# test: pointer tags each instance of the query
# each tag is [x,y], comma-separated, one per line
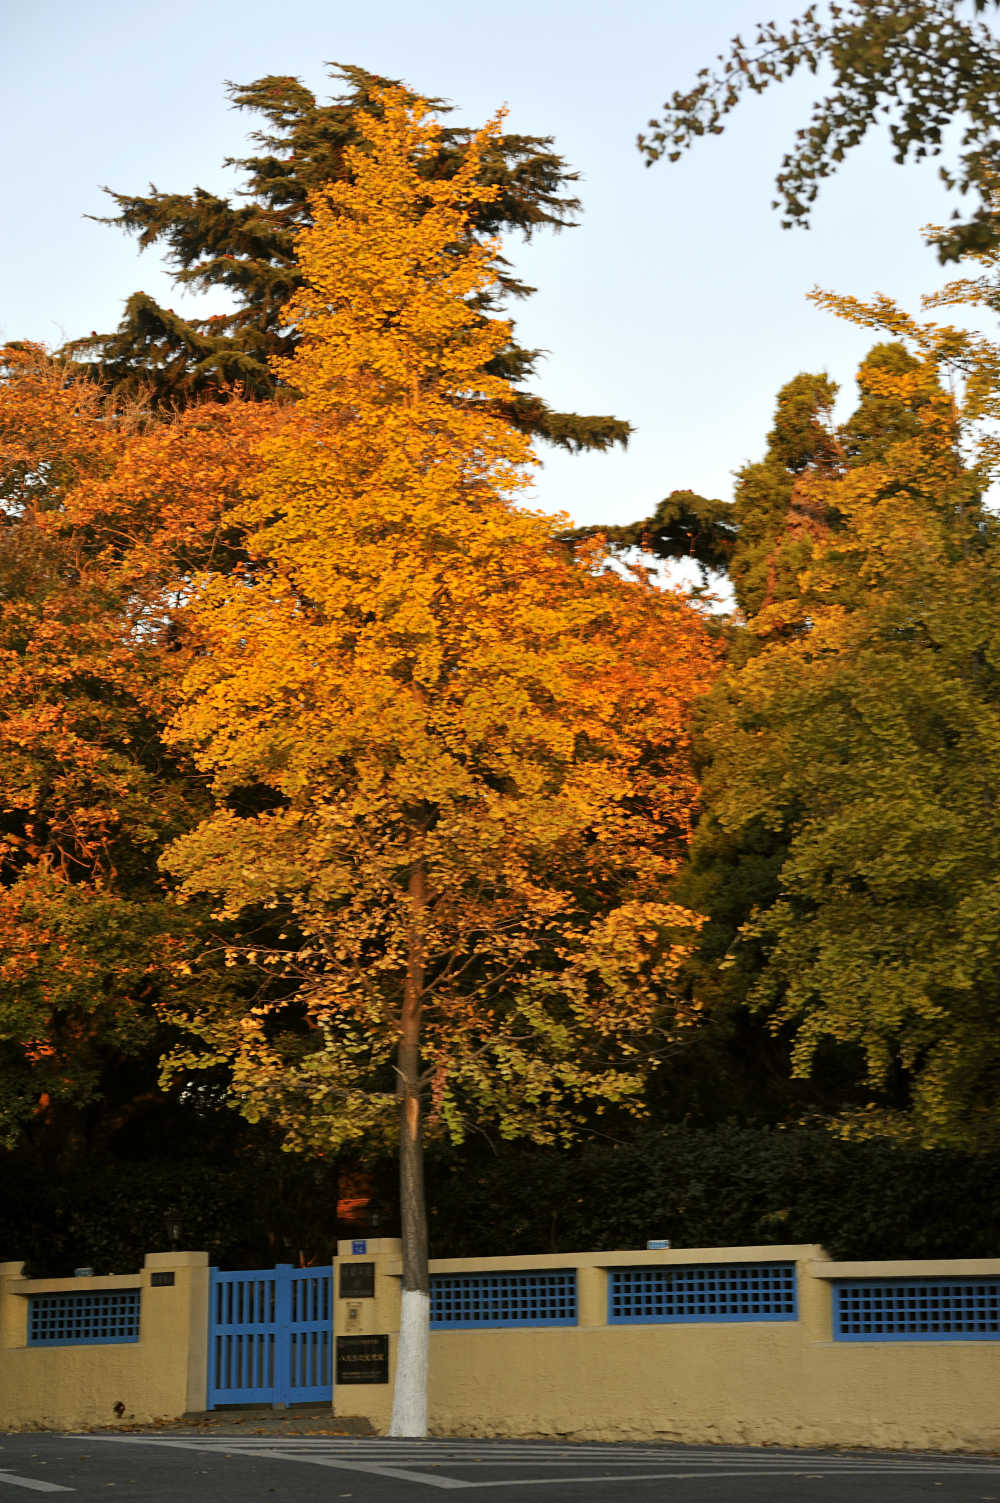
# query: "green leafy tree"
[770,527]
[851,756]
[247,250]
[919,65]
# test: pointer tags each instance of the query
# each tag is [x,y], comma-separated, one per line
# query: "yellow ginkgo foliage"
[450,758]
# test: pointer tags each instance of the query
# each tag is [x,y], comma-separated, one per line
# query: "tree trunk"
[409,1400]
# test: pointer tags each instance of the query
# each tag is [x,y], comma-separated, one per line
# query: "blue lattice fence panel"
[935,1309]
[102,1317]
[462,1300]
[309,1367]
[709,1292]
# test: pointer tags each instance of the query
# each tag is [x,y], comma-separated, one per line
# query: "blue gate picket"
[270,1336]
[310,1358]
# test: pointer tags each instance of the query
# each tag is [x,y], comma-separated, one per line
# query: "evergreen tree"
[757,536]
[683,526]
[770,527]
[775,514]
[247,249]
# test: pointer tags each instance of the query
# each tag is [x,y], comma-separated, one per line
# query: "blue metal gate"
[270,1336]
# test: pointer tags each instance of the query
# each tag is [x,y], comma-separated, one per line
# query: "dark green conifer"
[773,515]
[684,525]
[247,250]
[756,537]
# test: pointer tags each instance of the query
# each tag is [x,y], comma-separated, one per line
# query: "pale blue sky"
[679,303]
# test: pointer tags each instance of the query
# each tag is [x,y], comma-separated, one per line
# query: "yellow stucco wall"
[777,1382]
[161,1375]
[772,1382]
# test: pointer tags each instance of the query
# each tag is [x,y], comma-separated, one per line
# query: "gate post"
[175,1316]
[366,1326]
[282,1335]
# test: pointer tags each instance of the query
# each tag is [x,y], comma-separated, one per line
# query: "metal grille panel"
[503,1299]
[965,1309]
[100,1318]
[702,1292]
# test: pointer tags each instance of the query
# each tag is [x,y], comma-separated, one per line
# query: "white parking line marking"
[33,1484]
[702,1476]
[372,1468]
[490,1453]
[748,1463]
[397,1459]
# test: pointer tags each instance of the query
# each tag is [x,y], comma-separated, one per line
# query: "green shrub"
[716,1187]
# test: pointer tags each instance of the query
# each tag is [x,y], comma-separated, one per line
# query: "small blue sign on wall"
[358,1249]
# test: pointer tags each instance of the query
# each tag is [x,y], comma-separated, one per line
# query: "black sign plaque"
[161,1280]
[357,1280]
[362,1359]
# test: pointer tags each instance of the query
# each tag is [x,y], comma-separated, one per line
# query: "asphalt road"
[136,1468]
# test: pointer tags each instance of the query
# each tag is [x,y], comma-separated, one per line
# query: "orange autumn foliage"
[449,759]
[473,746]
[104,512]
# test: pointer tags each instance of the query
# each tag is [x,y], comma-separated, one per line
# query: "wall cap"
[908,1268]
[75,1286]
[375,1247]
[798,1252]
[176,1260]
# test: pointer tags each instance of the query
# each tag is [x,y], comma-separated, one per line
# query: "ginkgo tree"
[449,758]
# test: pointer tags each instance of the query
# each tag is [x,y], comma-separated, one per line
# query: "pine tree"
[247,249]
[685,525]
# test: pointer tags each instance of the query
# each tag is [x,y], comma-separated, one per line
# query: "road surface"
[207,1468]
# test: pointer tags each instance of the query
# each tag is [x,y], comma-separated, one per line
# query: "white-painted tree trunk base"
[409,1395]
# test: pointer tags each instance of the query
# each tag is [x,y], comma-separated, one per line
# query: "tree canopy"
[344,789]
[851,758]
[247,251]
[919,65]
[105,510]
